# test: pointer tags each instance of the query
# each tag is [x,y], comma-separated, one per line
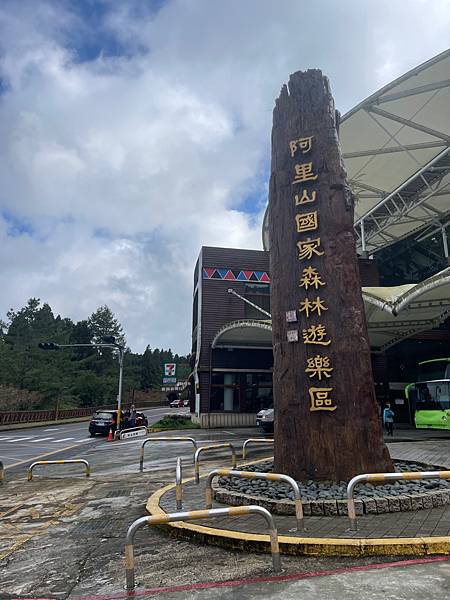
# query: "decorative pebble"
[320,490]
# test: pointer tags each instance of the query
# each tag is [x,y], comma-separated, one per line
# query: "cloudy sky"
[134,132]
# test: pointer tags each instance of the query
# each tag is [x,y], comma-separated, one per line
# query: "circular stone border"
[333,508]
[338,507]
[255,542]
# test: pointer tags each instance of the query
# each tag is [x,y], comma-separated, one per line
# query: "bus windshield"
[434,369]
[433,395]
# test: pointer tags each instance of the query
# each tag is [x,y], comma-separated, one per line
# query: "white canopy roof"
[392,313]
[395,313]
[396,147]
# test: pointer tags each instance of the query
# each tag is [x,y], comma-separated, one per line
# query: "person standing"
[388,419]
[133,416]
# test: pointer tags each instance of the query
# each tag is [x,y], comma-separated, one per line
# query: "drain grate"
[94,526]
[117,493]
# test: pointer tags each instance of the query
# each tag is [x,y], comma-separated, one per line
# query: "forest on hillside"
[32,378]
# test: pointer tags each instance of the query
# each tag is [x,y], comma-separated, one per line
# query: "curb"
[255,542]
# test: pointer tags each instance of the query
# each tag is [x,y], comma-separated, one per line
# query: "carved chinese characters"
[318,367]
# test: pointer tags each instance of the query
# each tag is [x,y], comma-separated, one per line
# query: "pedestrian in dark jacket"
[388,419]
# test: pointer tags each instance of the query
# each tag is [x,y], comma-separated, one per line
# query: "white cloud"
[124,166]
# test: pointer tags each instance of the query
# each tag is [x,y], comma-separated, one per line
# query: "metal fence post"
[163,439]
[58,462]
[366,477]
[234,511]
[179,484]
[212,447]
[254,441]
[266,476]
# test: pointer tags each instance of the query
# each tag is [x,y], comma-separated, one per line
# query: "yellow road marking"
[12,509]
[34,458]
[21,539]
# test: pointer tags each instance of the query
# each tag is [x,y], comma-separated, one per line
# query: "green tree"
[79,376]
[103,323]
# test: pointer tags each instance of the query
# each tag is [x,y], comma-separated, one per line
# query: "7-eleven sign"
[170,369]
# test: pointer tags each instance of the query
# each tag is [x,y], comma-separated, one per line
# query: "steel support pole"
[119,394]
[445,244]
[364,253]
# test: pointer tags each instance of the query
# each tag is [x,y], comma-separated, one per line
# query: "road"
[21,446]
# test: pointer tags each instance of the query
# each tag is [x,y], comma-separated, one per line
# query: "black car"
[102,421]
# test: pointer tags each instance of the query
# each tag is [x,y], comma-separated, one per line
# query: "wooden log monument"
[327,425]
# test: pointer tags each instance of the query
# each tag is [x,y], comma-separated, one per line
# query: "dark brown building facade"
[231,338]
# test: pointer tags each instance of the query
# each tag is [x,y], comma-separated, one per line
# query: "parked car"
[262,412]
[102,421]
[178,403]
[265,420]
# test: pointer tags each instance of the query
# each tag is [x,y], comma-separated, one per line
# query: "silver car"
[264,419]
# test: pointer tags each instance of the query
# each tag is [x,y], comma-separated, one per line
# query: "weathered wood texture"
[322,444]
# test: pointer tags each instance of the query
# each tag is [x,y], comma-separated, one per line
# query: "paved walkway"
[415,524]
[428,580]
[411,434]
[434,452]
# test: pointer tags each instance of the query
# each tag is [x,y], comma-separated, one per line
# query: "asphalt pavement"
[21,446]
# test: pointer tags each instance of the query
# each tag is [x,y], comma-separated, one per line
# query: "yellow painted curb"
[257,542]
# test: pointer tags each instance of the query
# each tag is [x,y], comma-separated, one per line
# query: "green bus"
[430,396]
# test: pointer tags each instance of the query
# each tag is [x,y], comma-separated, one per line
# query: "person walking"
[388,419]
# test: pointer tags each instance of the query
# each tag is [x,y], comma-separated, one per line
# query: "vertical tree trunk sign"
[326,418]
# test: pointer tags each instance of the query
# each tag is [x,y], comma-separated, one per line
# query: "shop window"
[241,392]
[225,391]
[257,392]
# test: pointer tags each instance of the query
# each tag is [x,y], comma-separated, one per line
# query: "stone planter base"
[368,506]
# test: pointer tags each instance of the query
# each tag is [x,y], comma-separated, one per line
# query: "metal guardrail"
[254,441]
[37,416]
[267,477]
[16,417]
[58,462]
[179,484]
[129,430]
[212,447]
[234,511]
[163,439]
[365,478]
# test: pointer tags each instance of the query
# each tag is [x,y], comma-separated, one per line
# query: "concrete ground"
[62,536]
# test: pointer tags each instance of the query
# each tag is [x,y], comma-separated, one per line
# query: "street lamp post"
[110,342]
[121,349]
